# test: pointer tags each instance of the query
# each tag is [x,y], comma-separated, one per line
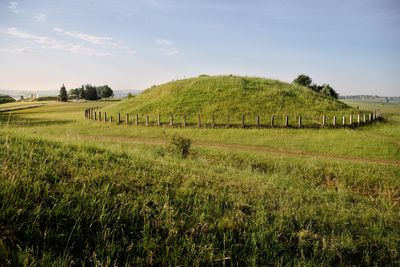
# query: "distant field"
[74,190]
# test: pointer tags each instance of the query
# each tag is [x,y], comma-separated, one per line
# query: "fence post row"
[94,114]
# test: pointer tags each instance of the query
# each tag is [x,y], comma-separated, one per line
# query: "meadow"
[79,192]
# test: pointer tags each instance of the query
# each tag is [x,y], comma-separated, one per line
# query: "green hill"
[231,95]
[6,99]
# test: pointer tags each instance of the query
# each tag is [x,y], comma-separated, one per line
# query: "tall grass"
[73,204]
[75,192]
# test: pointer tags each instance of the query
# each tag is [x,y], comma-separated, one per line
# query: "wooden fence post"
[351,120]
[137,119]
[344,120]
[243,121]
[364,118]
[299,124]
[323,120]
[119,118]
[147,120]
[105,116]
[286,121]
[110,119]
[95,115]
[159,120]
[171,120]
[358,119]
[184,120]
[258,121]
[369,117]
[127,118]
[334,120]
[272,120]
[99,115]
[198,120]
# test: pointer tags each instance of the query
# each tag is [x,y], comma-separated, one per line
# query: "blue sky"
[353,45]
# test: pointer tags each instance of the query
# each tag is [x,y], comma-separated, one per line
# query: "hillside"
[6,99]
[229,94]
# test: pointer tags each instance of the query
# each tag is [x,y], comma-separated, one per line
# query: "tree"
[73,93]
[315,87]
[81,93]
[106,91]
[91,92]
[303,80]
[328,90]
[63,96]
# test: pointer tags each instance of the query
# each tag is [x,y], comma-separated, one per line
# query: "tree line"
[87,92]
[324,89]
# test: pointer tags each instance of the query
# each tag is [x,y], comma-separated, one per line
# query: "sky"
[353,45]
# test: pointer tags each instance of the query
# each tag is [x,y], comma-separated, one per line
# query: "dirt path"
[245,148]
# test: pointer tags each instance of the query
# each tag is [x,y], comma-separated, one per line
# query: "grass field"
[74,191]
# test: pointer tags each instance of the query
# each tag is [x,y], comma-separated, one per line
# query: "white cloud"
[22,50]
[164,42]
[167,47]
[13,6]
[170,51]
[97,40]
[40,17]
[51,43]
[103,42]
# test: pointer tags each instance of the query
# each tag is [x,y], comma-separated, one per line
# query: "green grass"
[84,192]
[233,96]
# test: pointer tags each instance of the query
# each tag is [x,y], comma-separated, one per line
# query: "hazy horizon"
[132,45]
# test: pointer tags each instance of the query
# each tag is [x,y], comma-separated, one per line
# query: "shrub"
[181,145]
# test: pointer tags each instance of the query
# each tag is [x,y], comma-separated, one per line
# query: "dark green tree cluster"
[63,96]
[324,89]
[90,92]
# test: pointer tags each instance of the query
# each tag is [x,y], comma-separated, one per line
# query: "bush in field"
[181,145]
[324,89]
[303,80]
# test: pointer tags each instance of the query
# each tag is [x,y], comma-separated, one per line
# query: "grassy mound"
[6,99]
[229,95]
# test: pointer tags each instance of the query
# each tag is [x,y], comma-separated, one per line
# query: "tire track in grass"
[243,148]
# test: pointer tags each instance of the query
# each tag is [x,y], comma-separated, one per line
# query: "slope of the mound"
[6,99]
[225,95]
